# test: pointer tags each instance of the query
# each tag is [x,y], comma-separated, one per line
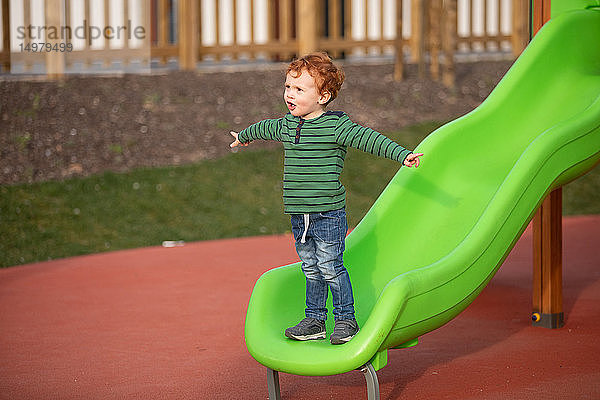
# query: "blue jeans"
[320,248]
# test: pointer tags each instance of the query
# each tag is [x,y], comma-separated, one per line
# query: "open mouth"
[291,106]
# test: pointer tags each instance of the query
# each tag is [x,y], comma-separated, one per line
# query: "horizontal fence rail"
[193,32]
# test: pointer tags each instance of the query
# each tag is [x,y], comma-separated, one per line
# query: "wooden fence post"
[335,24]
[415,34]
[399,44]
[286,23]
[435,15]
[6,35]
[188,34]
[450,32]
[308,40]
[421,32]
[520,26]
[55,60]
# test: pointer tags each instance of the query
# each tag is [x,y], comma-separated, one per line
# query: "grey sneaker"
[344,330]
[307,329]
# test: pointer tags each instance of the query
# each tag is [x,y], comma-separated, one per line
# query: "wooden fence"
[192,31]
[5,53]
[60,27]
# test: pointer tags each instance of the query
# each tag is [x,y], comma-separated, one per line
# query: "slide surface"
[437,234]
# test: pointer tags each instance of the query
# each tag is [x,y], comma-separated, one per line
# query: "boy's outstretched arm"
[268,129]
[351,134]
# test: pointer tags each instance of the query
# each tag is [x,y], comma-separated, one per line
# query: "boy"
[315,143]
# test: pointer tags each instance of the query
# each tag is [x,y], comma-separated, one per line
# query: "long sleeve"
[351,134]
[268,129]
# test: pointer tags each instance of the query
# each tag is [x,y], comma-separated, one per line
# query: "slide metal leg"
[273,384]
[372,381]
[367,370]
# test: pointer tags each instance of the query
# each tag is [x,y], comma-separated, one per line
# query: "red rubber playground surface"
[168,323]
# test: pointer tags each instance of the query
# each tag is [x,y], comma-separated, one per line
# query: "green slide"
[437,234]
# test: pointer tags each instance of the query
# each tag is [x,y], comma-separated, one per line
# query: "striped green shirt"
[315,150]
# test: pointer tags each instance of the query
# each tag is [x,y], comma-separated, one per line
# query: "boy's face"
[302,96]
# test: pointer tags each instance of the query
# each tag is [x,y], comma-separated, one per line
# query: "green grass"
[237,195]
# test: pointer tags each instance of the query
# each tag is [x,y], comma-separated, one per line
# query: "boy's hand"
[236,142]
[412,159]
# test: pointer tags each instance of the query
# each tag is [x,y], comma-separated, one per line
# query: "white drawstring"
[306,222]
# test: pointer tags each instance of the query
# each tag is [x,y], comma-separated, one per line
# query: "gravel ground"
[86,125]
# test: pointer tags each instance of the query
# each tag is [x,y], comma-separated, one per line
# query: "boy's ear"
[324,98]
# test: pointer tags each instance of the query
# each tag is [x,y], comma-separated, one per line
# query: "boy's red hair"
[328,76]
